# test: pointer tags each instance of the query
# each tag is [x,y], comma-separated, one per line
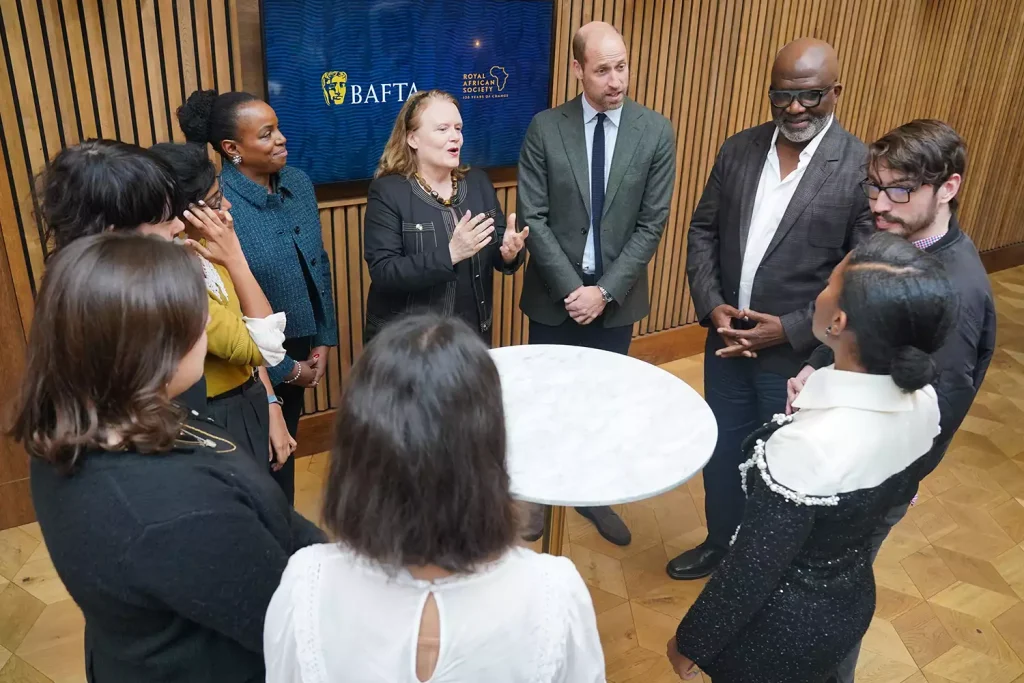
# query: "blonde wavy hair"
[398,157]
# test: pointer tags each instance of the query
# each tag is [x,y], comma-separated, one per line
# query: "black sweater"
[963,359]
[173,559]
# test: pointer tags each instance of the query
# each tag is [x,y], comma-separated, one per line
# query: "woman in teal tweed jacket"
[278,224]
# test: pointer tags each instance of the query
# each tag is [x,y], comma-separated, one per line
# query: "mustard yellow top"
[231,355]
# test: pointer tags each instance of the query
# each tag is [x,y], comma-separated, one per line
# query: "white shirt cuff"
[268,334]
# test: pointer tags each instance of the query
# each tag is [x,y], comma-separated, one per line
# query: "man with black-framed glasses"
[914,175]
[781,209]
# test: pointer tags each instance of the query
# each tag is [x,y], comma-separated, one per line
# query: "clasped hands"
[767,331]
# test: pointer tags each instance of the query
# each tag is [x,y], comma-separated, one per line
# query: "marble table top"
[588,427]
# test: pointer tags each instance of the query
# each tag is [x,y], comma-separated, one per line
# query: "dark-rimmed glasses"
[217,199]
[808,99]
[897,194]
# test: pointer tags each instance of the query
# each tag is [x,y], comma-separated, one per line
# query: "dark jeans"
[848,667]
[742,397]
[293,396]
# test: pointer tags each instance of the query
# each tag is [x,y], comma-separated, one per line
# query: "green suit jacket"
[554,200]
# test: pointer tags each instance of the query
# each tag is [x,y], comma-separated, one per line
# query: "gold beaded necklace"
[433,193]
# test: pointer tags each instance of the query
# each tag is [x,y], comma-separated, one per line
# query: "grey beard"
[817,125]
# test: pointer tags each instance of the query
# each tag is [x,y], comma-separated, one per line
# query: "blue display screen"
[338,72]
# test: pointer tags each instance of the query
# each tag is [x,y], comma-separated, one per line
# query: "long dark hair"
[417,474]
[211,117]
[901,305]
[115,315]
[99,185]
[194,172]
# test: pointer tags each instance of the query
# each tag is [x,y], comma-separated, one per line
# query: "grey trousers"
[848,667]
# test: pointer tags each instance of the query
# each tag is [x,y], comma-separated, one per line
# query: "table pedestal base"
[554,529]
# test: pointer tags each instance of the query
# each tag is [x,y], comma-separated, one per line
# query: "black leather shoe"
[696,563]
[608,524]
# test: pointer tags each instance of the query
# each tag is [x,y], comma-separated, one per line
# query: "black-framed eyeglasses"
[217,199]
[898,194]
[808,99]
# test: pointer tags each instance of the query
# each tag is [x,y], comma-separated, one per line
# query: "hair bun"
[912,368]
[194,116]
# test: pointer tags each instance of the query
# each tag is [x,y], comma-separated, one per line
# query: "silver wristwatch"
[604,293]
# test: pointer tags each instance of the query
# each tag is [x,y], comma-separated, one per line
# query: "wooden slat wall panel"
[74,69]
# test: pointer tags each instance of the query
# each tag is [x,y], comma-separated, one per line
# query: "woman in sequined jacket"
[797,591]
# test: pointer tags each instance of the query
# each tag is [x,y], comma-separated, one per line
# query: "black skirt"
[245,413]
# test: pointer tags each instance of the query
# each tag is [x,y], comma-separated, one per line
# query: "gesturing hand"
[585,304]
[472,234]
[681,664]
[768,331]
[795,385]
[218,229]
[513,241]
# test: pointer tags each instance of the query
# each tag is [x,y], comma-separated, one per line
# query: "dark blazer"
[172,557]
[405,238]
[282,240]
[554,200]
[827,216]
[964,357]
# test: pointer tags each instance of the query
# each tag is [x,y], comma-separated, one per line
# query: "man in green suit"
[596,176]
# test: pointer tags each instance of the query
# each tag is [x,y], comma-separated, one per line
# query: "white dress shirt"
[852,431]
[337,616]
[773,196]
[611,132]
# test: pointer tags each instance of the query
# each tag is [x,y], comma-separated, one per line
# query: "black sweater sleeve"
[233,567]
[772,533]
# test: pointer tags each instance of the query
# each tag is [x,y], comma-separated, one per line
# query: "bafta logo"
[334,83]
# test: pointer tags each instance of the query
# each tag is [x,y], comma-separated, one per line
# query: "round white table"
[589,427]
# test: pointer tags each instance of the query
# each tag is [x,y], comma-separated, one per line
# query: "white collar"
[807,152]
[831,388]
[589,112]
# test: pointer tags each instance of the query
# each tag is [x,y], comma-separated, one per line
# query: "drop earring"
[236,159]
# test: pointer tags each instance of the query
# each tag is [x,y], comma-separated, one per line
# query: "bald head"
[599,61]
[806,59]
[595,32]
[805,88]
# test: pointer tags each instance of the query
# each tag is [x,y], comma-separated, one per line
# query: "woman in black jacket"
[434,229]
[171,547]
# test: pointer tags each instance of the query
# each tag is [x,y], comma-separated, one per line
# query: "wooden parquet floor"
[950,577]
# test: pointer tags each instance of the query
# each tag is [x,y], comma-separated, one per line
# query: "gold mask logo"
[335,85]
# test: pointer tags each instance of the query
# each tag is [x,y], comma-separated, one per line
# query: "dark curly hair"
[925,151]
[901,305]
[115,315]
[192,168]
[417,474]
[209,117]
[99,185]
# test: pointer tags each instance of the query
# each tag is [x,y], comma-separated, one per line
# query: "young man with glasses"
[781,209]
[913,178]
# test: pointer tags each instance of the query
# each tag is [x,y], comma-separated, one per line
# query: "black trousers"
[245,414]
[293,396]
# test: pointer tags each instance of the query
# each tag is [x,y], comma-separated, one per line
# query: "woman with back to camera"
[244,333]
[278,225]
[171,547]
[796,591]
[434,230]
[426,581]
